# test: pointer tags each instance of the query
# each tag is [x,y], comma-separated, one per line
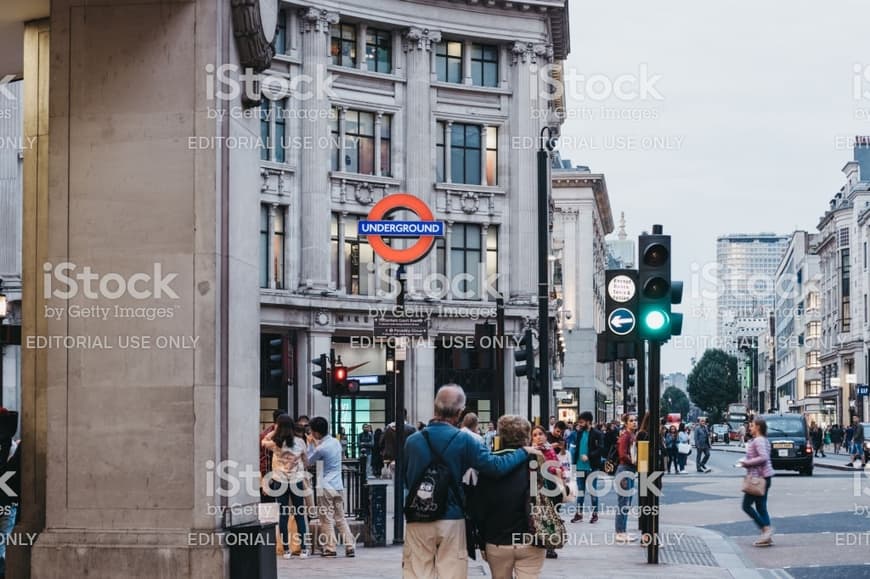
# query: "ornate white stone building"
[442,100]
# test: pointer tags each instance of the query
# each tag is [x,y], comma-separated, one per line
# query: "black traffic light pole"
[543,378]
[399,392]
[655,351]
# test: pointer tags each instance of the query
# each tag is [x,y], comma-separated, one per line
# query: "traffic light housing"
[656,291]
[272,360]
[322,373]
[526,353]
[339,378]
[631,372]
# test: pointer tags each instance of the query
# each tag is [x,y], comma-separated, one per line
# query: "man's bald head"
[449,402]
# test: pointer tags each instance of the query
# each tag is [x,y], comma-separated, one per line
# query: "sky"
[714,118]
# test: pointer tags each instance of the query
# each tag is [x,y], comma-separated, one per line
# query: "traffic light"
[526,353]
[272,362]
[322,373]
[339,378]
[631,372]
[657,292]
[620,305]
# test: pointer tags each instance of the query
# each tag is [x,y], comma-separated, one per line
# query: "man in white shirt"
[326,450]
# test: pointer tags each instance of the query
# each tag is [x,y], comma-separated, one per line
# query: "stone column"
[314,188]
[526,57]
[379,121]
[342,275]
[131,416]
[419,144]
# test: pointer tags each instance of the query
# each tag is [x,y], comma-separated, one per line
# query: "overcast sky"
[745,123]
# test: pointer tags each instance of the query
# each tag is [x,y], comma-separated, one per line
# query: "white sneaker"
[303,554]
[288,555]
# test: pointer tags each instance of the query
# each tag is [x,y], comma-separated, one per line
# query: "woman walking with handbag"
[756,485]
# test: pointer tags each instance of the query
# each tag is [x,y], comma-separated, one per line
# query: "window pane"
[490,74]
[477,72]
[366,155]
[454,70]
[472,136]
[492,237]
[472,167]
[280,131]
[472,236]
[441,68]
[278,221]
[454,49]
[491,162]
[385,157]
[457,136]
[457,165]
[366,277]
[265,114]
[367,124]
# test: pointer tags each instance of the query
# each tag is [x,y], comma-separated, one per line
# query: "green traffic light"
[655,320]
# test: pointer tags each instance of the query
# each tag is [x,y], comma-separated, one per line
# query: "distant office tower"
[747,265]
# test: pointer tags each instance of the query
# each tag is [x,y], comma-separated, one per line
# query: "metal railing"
[353,478]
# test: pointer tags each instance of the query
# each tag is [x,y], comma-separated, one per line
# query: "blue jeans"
[759,513]
[585,481]
[7,523]
[292,495]
[624,498]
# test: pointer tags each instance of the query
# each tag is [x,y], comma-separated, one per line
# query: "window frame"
[446,59]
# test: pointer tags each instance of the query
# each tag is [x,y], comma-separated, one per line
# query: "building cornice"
[595,181]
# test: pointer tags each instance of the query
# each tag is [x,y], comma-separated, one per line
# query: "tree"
[675,400]
[713,383]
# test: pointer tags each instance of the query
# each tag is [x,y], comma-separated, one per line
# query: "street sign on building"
[862,390]
[390,326]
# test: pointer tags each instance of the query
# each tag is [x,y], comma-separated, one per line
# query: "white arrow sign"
[621,321]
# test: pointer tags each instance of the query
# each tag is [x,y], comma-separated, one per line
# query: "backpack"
[428,497]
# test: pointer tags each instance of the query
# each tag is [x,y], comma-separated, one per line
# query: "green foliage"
[713,383]
[674,400]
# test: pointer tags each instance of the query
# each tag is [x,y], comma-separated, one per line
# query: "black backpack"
[427,498]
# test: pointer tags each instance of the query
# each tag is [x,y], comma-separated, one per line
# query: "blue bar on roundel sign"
[401,228]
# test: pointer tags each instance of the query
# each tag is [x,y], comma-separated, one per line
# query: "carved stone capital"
[316,20]
[420,39]
[529,52]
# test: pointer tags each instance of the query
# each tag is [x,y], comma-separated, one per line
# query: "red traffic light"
[339,374]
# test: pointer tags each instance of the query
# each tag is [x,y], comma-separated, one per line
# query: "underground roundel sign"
[425,229]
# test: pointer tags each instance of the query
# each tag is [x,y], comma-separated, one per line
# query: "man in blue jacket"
[438,549]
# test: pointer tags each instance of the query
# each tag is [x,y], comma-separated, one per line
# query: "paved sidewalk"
[688,552]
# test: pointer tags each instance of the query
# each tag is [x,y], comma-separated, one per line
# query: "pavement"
[592,552]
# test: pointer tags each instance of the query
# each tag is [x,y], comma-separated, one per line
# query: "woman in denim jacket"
[757,462]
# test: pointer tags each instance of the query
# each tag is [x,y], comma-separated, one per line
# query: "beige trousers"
[526,560]
[331,513]
[435,550]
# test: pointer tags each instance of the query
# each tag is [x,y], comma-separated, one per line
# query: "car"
[720,433]
[790,444]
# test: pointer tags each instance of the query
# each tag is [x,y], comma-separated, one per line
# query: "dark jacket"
[596,447]
[499,506]
[464,452]
[702,437]
[388,441]
[366,441]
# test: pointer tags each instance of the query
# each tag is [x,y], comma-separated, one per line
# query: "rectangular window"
[272,250]
[465,260]
[280,130]
[356,258]
[814,330]
[360,142]
[492,255]
[379,50]
[281,33]
[814,387]
[273,130]
[278,247]
[813,359]
[491,156]
[845,290]
[264,246]
[343,45]
[484,65]
[448,61]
